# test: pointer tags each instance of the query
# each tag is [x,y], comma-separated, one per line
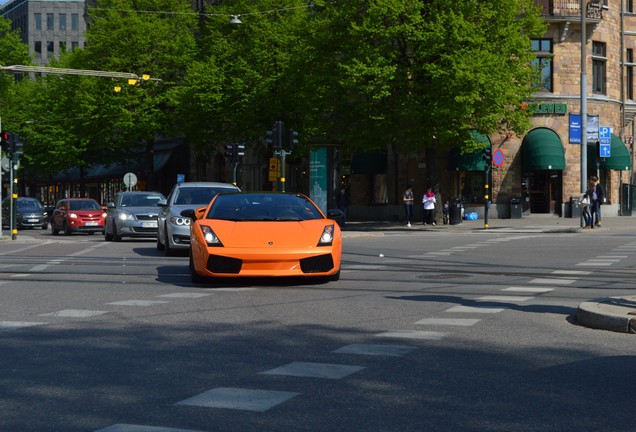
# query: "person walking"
[407,197]
[342,200]
[585,202]
[429,206]
[598,199]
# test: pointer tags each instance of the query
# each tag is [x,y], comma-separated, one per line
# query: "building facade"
[542,168]
[48,27]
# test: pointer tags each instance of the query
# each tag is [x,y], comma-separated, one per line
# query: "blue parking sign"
[605,140]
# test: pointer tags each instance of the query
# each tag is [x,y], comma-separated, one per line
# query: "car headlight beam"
[180,221]
[125,216]
[210,237]
[326,238]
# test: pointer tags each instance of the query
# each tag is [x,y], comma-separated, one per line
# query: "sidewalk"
[613,313]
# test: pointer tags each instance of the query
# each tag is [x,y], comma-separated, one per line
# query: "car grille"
[317,264]
[147,217]
[97,217]
[141,230]
[221,264]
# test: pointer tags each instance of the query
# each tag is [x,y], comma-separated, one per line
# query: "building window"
[629,74]
[542,49]
[74,22]
[629,6]
[38,48]
[62,46]
[74,44]
[62,17]
[49,21]
[38,21]
[49,49]
[599,62]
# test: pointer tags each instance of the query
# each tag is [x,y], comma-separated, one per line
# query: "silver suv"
[173,231]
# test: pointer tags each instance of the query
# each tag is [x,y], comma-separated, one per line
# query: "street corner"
[616,314]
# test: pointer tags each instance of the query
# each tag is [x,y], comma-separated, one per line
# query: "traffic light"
[293,139]
[229,151]
[487,155]
[278,134]
[5,141]
[240,150]
[16,145]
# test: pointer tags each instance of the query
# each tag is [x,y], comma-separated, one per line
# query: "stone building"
[543,167]
[48,27]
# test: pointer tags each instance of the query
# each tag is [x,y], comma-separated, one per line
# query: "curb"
[608,314]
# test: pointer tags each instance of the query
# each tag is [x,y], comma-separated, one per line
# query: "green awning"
[619,159]
[368,163]
[472,161]
[542,150]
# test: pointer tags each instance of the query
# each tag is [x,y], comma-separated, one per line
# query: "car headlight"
[180,221]
[210,237]
[72,215]
[326,238]
[125,216]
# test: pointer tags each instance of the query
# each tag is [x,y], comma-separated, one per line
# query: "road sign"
[130,179]
[498,158]
[605,139]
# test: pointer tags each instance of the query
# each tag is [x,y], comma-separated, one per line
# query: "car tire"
[160,246]
[54,230]
[167,250]
[194,276]
[107,235]
[45,226]
[116,237]
[66,229]
[334,277]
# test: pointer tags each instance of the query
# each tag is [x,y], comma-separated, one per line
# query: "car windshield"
[138,200]
[263,207]
[29,204]
[197,196]
[83,205]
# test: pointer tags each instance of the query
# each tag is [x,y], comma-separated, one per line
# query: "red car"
[78,215]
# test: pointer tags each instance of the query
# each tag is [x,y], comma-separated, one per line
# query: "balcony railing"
[569,8]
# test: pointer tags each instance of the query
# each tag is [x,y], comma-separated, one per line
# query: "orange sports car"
[263,234]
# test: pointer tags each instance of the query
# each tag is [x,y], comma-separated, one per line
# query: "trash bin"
[455,211]
[515,208]
[575,207]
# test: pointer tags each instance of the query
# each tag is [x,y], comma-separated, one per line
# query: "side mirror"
[189,213]
[335,214]
[162,203]
[110,205]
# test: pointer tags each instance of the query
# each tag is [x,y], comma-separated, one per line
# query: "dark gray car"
[132,214]
[29,213]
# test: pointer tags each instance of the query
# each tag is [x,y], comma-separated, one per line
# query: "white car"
[173,231]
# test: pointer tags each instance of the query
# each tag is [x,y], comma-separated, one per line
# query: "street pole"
[486,196]
[583,167]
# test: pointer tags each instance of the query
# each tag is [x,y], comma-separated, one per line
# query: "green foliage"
[363,73]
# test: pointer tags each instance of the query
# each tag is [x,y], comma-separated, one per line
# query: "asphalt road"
[425,331]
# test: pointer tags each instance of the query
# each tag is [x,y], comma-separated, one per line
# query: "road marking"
[375,350]
[463,322]
[314,370]
[241,399]
[475,309]
[504,298]
[14,325]
[75,313]
[529,289]
[184,295]
[120,427]
[553,281]
[413,334]
[595,264]
[14,251]
[613,256]
[144,303]
[89,249]
[571,272]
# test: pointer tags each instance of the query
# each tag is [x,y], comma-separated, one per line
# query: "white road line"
[241,399]
[504,298]
[461,322]
[594,264]
[314,370]
[412,334]
[571,272]
[475,309]
[528,289]
[553,281]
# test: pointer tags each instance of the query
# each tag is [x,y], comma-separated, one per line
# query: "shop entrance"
[545,190]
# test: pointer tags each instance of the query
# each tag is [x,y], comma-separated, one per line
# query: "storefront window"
[471,186]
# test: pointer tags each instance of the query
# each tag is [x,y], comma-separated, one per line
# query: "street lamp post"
[583,100]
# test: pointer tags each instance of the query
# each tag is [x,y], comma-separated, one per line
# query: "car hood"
[177,209]
[139,210]
[283,234]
